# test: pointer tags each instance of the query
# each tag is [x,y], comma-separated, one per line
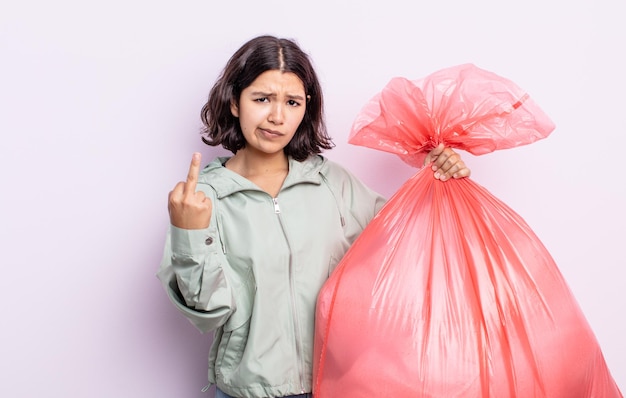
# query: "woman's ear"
[234,108]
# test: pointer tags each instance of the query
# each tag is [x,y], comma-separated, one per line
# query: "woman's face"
[270,110]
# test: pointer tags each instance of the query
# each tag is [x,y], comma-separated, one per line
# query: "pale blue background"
[99,114]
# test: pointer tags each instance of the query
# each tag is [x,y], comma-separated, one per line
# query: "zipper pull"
[276,208]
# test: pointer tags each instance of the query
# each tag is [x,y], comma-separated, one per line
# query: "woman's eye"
[262,99]
[293,103]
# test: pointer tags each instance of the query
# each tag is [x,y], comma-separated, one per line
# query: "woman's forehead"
[275,81]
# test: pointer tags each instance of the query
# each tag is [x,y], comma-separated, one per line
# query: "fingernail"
[437,175]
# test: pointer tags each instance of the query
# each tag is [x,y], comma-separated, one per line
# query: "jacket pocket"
[244,299]
[332,264]
[231,347]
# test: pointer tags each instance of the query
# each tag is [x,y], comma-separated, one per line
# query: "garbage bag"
[448,292]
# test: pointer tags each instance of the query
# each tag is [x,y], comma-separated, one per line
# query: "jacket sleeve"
[192,272]
[359,204]
[362,205]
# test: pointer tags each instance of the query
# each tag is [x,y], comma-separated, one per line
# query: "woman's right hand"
[190,209]
[446,163]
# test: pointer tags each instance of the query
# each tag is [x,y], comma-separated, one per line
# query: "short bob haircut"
[259,55]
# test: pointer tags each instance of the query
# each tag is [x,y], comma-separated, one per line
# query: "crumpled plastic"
[448,292]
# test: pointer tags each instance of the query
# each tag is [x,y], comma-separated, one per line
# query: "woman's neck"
[246,162]
[268,171]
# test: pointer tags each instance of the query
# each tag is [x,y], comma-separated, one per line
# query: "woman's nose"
[276,115]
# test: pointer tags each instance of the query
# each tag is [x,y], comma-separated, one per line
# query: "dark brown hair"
[259,55]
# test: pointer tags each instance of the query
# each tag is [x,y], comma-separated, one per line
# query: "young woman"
[254,236]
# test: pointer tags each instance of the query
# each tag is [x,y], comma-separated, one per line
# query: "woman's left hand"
[446,163]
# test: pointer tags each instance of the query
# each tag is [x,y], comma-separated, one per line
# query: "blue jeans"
[221,394]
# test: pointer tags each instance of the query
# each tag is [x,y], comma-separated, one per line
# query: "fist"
[446,163]
[189,209]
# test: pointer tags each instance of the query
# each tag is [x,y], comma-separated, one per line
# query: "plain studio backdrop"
[99,115]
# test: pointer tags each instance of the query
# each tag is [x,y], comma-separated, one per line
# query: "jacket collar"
[226,182]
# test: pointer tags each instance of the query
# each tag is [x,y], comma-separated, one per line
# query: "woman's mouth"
[271,133]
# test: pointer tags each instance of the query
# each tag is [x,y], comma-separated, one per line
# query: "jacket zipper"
[277,210]
[293,300]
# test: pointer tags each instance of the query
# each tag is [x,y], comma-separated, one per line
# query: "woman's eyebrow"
[265,94]
[295,97]
[262,94]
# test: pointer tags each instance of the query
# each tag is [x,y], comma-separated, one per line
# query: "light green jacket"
[253,276]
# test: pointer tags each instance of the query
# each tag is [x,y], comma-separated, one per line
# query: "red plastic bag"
[448,292]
